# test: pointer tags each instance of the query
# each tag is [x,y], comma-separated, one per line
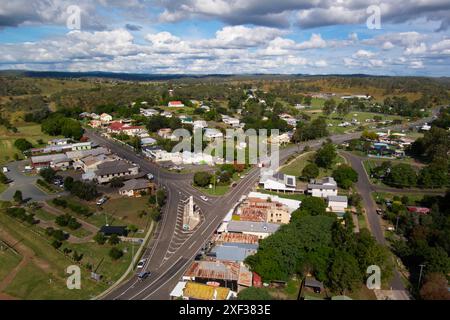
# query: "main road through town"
[171,249]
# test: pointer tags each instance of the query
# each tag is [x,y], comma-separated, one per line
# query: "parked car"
[204,198]
[5,169]
[379,212]
[150,176]
[102,200]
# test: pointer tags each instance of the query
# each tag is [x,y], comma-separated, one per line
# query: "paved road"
[171,250]
[24,183]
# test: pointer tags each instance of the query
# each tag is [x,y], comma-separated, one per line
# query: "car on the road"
[204,198]
[143,275]
[141,264]
[379,212]
[102,200]
[5,169]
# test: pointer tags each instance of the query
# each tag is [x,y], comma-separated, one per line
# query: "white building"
[260,229]
[337,204]
[323,188]
[104,117]
[200,124]
[149,112]
[175,104]
[278,182]
[290,203]
[211,134]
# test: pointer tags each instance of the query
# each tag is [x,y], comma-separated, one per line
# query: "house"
[263,210]
[323,188]
[121,128]
[47,161]
[278,182]
[232,238]
[135,187]
[175,104]
[165,133]
[291,204]
[59,142]
[211,134]
[115,169]
[166,114]
[148,141]
[421,210]
[219,273]
[230,121]
[290,120]
[185,119]
[91,162]
[337,204]
[95,123]
[148,112]
[314,284]
[200,124]
[110,230]
[280,139]
[80,154]
[205,107]
[164,156]
[62,148]
[260,229]
[198,291]
[105,118]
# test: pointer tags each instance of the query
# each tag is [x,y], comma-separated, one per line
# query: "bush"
[60,202]
[100,238]
[56,244]
[310,171]
[23,144]
[114,239]
[48,174]
[345,176]
[115,253]
[202,179]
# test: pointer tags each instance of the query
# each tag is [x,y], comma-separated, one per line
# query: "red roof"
[175,102]
[257,281]
[422,210]
[116,126]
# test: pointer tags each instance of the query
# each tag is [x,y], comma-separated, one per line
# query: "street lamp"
[420,275]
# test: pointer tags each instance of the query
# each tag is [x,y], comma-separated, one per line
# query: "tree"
[254,293]
[326,155]
[114,239]
[155,214]
[329,107]
[161,197]
[100,238]
[48,174]
[310,171]
[434,175]
[116,182]
[202,179]
[115,253]
[312,206]
[18,196]
[3,178]
[345,176]
[23,144]
[402,175]
[344,272]
[68,183]
[435,287]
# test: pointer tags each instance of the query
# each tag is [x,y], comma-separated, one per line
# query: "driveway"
[24,183]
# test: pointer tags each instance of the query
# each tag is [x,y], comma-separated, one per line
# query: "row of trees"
[320,245]
[58,124]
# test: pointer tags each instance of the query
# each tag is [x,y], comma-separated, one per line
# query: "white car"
[5,170]
[150,176]
[141,264]
[101,201]
[204,198]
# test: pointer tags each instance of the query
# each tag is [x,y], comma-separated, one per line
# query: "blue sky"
[233,36]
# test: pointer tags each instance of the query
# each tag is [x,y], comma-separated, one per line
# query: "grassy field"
[115,212]
[295,167]
[3,187]
[8,261]
[44,215]
[45,277]
[30,132]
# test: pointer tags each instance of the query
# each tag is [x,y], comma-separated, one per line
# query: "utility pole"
[420,275]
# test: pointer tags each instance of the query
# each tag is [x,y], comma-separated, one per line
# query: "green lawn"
[8,261]
[47,280]
[291,196]
[3,187]
[31,132]
[44,215]
[126,210]
[217,191]
[295,167]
